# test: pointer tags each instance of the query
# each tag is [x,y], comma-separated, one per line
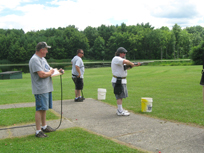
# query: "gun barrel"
[136,63]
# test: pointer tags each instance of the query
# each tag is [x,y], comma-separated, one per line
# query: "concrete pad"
[17,105]
[24,131]
[4,134]
[64,124]
[194,144]
[140,131]
[7,106]
[161,137]
[24,105]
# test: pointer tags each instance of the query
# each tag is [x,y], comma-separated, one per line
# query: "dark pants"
[79,83]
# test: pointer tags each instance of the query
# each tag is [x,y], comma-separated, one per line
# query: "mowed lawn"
[175,90]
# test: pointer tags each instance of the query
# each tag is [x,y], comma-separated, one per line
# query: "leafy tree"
[17,53]
[4,50]
[91,34]
[126,40]
[195,39]
[177,32]
[116,41]
[167,37]
[106,32]
[57,50]
[142,42]
[122,28]
[172,45]
[157,42]
[146,25]
[197,53]
[98,51]
[195,29]
[184,43]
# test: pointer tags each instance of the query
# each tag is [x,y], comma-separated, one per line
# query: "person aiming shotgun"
[119,66]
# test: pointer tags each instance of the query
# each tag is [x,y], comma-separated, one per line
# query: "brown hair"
[79,51]
[117,53]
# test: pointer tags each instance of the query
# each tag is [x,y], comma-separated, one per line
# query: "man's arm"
[78,70]
[43,74]
[127,62]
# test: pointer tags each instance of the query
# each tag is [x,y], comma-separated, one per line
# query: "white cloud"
[11,4]
[83,13]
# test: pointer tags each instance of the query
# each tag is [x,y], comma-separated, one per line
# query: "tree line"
[142,42]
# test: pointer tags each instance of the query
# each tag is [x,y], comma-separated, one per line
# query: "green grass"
[15,116]
[171,63]
[74,140]
[175,90]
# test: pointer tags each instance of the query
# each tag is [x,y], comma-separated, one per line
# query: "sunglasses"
[82,53]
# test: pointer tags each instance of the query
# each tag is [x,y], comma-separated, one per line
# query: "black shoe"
[79,99]
[41,135]
[48,129]
[76,100]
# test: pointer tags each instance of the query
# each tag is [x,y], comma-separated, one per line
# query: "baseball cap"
[41,45]
[121,50]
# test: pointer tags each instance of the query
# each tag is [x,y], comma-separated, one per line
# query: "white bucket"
[146,104]
[101,94]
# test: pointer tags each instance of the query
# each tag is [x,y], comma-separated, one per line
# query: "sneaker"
[41,135]
[48,129]
[76,99]
[80,99]
[123,113]
[126,111]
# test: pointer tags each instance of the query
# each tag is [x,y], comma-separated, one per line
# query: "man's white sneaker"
[126,111]
[123,113]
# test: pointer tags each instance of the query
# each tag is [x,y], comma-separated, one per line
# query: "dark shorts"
[124,94]
[79,83]
[43,101]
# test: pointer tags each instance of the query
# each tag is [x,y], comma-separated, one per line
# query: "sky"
[33,15]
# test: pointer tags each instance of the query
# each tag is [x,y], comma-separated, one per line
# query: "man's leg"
[203,95]
[40,116]
[43,117]
[78,93]
[38,120]
[121,111]
[75,93]
[119,103]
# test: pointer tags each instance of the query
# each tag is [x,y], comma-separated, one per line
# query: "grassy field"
[15,116]
[74,140]
[175,90]
[176,93]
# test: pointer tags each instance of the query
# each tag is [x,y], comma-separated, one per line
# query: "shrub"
[196,54]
